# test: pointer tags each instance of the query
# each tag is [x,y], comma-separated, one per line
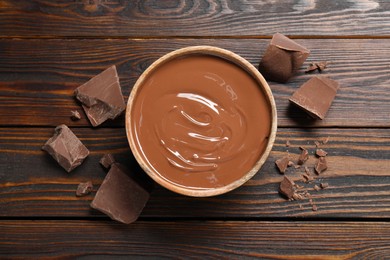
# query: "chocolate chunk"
[316,96]
[282,58]
[321,153]
[287,187]
[303,157]
[66,148]
[75,115]
[282,164]
[121,196]
[320,66]
[102,97]
[84,189]
[321,165]
[107,160]
[324,185]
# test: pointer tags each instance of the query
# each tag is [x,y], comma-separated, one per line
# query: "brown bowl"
[232,58]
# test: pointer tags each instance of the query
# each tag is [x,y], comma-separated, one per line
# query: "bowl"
[201,121]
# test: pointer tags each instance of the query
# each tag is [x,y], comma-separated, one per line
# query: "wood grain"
[38,77]
[189,239]
[32,184]
[116,18]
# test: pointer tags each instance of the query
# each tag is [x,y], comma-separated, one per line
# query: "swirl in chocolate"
[201,121]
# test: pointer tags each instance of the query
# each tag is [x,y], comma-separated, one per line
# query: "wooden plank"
[37,77]
[32,184]
[192,239]
[107,18]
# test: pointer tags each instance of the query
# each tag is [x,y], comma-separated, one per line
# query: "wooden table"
[49,48]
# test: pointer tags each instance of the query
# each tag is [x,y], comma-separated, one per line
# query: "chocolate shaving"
[282,164]
[324,185]
[303,157]
[321,165]
[107,160]
[84,189]
[66,148]
[321,153]
[287,187]
[75,115]
[320,66]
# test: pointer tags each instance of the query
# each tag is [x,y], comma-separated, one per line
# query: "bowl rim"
[231,57]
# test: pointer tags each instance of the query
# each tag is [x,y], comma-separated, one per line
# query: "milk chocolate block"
[102,97]
[316,96]
[66,148]
[282,58]
[121,196]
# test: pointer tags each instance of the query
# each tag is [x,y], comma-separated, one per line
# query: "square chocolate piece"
[121,196]
[102,97]
[315,96]
[66,148]
[282,58]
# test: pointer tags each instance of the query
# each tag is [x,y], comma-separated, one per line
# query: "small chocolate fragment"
[324,185]
[320,66]
[75,115]
[121,196]
[321,153]
[321,165]
[318,144]
[84,189]
[102,97]
[107,160]
[288,144]
[308,178]
[316,187]
[303,157]
[315,96]
[282,58]
[314,207]
[326,140]
[66,148]
[287,187]
[282,164]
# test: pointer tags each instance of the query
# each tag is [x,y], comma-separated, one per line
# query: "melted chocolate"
[201,121]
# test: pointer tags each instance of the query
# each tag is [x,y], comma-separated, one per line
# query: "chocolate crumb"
[84,189]
[282,164]
[321,153]
[303,156]
[287,187]
[107,160]
[307,177]
[316,187]
[317,144]
[314,208]
[321,165]
[320,66]
[326,140]
[288,143]
[324,185]
[75,115]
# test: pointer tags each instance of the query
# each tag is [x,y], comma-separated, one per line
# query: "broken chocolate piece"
[282,58]
[282,164]
[316,96]
[121,196]
[316,187]
[75,115]
[287,187]
[303,157]
[320,66]
[107,160]
[84,189]
[307,177]
[317,144]
[102,97]
[321,165]
[66,148]
[321,153]
[314,208]
[324,185]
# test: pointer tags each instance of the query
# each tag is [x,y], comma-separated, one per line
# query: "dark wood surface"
[49,48]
